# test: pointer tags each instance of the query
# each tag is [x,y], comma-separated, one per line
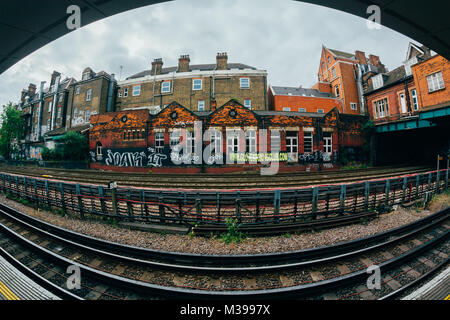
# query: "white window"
[159,142]
[435,82]
[88,95]
[403,102]
[327,142]
[75,112]
[301,109]
[136,90]
[60,97]
[59,112]
[99,149]
[377,81]
[197,84]
[165,87]
[50,104]
[175,139]
[334,72]
[245,83]
[275,140]
[353,106]
[415,101]
[250,141]
[307,141]
[248,103]
[286,109]
[336,90]
[292,142]
[232,142]
[320,111]
[190,142]
[77,89]
[216,141]
[375,110]
[87,116]
[48,124]
[201,105]
[125,92]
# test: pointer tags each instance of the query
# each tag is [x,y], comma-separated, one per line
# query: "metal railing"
[249,207]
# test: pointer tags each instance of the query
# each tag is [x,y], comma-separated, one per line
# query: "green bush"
[233,234]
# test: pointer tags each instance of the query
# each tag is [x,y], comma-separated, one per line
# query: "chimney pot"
[222,61]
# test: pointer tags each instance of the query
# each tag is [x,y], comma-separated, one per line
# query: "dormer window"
[408,65]
[377,81]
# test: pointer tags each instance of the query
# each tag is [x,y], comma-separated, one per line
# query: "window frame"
[201,105]
[159,142]
[195,86]
[136,92]
[89,94]
[242,83]
[164,88]
[416,98]
[436,80]
[249,106]
[308,136]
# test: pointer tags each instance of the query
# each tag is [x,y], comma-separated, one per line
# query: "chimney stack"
[157,66]
[31,89]
[183,63]
[361,57]
[222,61]
[55,75]
[375,60]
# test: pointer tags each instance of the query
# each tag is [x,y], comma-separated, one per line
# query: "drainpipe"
[54,105]
[360,90]
[41,107]
[110,93]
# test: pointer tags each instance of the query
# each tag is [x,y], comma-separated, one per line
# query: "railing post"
[162,209]
[404,189]
[25,187]
[129,206]
[276,204]
[198,207]
[366,196]
[238,207]
[342,197]
[417,185]
[101,194]
[315,199]
[36,195]
[218,205]
[387,191]
[114,201]
[446,178]
[80,200]
[47,193]
[63,200]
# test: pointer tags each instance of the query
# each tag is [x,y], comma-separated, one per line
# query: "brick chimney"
[213,104]
[31,89]
[222,61]
[157,66]
[361,57]
[23,95]
[55,75]
[375,60]
[183,63]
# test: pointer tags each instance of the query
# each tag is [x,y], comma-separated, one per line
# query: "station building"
[135,140]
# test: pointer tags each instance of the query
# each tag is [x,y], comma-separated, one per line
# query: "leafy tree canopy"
[11,129]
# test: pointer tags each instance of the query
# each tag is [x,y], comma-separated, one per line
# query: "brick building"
[134,140]
[393,96]
[197,87]
[344,75]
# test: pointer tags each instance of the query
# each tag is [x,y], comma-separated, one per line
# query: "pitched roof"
[194,67]
[299,92]
[342,54]
[392,77]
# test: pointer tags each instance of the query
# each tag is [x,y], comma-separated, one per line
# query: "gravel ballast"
[251,245]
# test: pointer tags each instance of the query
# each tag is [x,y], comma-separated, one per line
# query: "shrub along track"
[114,271]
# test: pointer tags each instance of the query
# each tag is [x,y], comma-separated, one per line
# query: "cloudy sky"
[283,37]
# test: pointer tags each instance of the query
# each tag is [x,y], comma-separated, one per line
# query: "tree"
[11,130]
[75,146]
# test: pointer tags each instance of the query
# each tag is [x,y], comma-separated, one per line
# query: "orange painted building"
[432,78]
[345,74]
[302,100]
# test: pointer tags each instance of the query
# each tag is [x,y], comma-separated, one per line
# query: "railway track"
[211,181]
[114,271]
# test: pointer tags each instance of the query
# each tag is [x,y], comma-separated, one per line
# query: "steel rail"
[184,293]
[225,263]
